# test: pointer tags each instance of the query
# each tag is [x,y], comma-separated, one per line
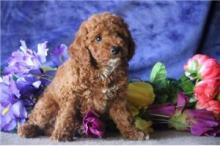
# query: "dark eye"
[98,38]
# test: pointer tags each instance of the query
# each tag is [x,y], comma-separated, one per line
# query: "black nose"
[115,50]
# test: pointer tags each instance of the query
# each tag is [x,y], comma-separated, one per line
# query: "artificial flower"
[8,88]
[25,77]
[202,67]
[202,122]
[12,110]
[92,125]
[12,114]
[206,93]
[198,122]
[206,90]
[210,69]
[58,55]
[29,87]
[182,100]
[24,60]
[165,110]
[143,125]
[140,94]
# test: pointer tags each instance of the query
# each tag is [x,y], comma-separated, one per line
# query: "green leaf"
[186,85]
[167,92]
[158,73]
[48,68]
[178,121]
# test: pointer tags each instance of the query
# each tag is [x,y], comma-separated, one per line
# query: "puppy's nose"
[115,50]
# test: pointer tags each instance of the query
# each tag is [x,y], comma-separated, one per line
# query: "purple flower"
[8,88]
[58,55]
[12,110]
[164,110]
[30,87]
[198,122]
[92,125]
[182,100]
[26,76]
[24,60]
[203,122]
[11,115]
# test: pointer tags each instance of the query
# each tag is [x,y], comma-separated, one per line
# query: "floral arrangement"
[190,103]
[24,78]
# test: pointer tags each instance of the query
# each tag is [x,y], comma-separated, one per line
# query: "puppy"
[95,77]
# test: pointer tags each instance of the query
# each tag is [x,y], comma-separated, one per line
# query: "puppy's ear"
[78,49]
[131,47]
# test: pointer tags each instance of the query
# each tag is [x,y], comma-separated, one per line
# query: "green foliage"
[158,73]
[143,125]
[178,121]
[186,85]
[166,89]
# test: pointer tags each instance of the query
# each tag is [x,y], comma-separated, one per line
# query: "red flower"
[206,92]
[210,69]
[202,67]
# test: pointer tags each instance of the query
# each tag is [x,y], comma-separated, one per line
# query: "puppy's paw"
[62,136]
[136,135]
[28,130]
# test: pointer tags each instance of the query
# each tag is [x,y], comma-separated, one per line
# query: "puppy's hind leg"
[66,121]
[41,119]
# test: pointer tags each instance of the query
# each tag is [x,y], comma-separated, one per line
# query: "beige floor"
[165,137]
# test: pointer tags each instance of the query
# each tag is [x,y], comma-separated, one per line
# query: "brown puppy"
[95,77]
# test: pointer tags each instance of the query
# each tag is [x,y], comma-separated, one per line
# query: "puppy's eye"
[98,38]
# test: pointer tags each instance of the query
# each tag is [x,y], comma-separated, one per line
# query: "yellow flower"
[140,94]
[143,125]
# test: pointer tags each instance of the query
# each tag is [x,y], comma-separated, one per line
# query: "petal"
[210,69]
[11,125]
[19,110]
[8,122]
[42,51]
[23,46]
[182,100]
[198,131]
[37,84]
[14,89]
[97,133]
[162,109]
[4,90]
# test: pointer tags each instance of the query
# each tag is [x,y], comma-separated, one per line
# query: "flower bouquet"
[191,103]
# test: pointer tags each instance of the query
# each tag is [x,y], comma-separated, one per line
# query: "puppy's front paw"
[62,136]
[137,135]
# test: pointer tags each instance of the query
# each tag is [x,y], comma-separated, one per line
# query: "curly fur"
[91,79]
